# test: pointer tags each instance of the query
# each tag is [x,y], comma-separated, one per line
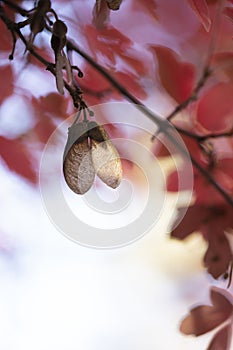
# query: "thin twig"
[17,8]
[75,94]
[206,70]
[163,124]
[201,138]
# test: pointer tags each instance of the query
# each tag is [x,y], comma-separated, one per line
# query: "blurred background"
[57,294]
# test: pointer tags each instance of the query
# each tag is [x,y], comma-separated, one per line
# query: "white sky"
[56,294]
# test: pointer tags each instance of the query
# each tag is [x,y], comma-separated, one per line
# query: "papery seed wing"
[106,160]
[78,168]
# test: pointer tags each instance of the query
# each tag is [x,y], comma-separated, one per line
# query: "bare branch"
[163,125]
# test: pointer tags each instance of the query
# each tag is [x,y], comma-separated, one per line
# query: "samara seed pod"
[78,168]
[58,41]
[114,4]
[105,158]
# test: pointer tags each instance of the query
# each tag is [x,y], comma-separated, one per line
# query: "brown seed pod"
[114,4]
[105,158]
[58,41]
[78,168]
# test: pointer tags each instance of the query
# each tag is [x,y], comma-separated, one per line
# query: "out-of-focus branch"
[73,91]
[201,138]
[163,125]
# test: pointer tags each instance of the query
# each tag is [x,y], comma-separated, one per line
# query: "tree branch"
[163,125]
[201,138]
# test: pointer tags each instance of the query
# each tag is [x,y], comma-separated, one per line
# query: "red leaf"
[228,11]
[98,88]
[146,6]
[95,86]
[100,14]
[201,9]
[6,41]
[6,75]
[131,82]
[44,128]
[179,180]
[211,221]
[160,150]
[218,255]
[222,339]
[177,77]
[52,104]
[172,182]
[223,174]
[203,319]
[222,63]
[191,222]
[109,43]
[205,193]
[44,52]
[215,108]
[18,158]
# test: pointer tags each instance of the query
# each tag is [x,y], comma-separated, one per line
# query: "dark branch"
[163,125]
[201,138]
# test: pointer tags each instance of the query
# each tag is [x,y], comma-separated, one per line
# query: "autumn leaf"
[222,173]
[222,339]
[52,104]
[147,6]
[131,83]
[6,38]
[176,76]
[109,43]
[201,10]
[222,63]
[43,129]
[215,108]
[6,75]
[212,222]
[228,11]
[204,318]
[18,158]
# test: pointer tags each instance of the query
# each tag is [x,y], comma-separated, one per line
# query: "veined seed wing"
[106,160]
[78,168]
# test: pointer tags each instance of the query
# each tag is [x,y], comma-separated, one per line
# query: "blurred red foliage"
[176,77]
[18,158]
[147,48]
[7,88]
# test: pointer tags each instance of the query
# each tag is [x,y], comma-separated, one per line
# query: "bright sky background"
[56,294]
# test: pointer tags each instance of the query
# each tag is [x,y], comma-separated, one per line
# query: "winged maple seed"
[78,169]
[106,160]
[37,20]
[58,42]
[89,151]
